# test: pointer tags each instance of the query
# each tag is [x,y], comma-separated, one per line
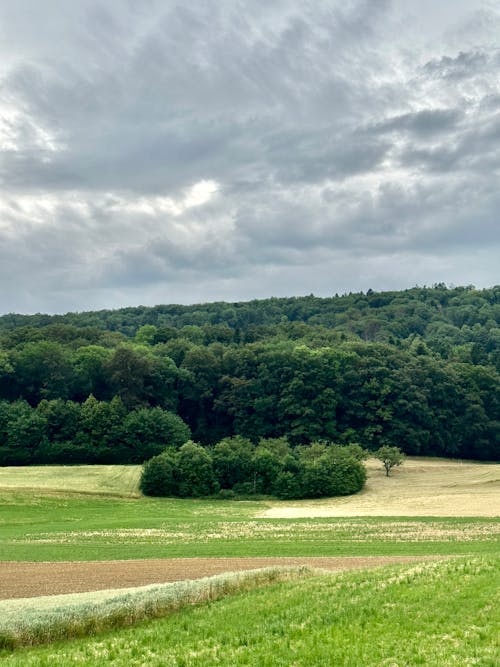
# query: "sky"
[172,152]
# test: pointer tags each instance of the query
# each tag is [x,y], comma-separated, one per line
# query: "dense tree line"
[59,431]
[461,323]
[417,369]
[236,465]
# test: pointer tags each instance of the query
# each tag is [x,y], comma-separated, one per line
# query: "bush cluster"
[236,466]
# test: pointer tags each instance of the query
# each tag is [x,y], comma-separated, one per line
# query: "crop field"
[84,528]
[39,620]
[20,580]
[442,614]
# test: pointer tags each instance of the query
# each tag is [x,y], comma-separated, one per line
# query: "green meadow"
[46,527]
[437,614]
[57,513]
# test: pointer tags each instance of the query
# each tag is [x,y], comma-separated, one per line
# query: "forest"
[417,369]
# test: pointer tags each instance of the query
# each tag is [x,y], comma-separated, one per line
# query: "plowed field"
[23,579]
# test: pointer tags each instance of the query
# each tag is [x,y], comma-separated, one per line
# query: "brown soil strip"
[26,579]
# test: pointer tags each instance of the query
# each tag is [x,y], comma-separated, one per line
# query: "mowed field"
[387,550]
[106,480]
[420,487]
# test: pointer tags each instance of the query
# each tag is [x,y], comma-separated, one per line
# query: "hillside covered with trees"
[417,369]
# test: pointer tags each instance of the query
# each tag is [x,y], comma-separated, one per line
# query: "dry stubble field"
[420,487]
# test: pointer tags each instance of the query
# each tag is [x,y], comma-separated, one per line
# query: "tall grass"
[32,621]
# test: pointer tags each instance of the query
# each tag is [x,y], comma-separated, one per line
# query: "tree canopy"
[417,369]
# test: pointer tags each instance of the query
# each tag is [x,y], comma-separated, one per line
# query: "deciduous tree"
[390,457]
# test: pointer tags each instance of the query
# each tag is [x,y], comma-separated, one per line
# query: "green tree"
[390,457]
[128,373]
[146,432]
[42,370]
[100,432]
[7,378]
[90,372]
[23,432]
[146,335]
[232,461]
[198,388]
[62,418]
[163,380]
[194,471]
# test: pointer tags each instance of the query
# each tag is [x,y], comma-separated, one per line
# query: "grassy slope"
[42,518]
[108,480]
[442,613]
[420,487]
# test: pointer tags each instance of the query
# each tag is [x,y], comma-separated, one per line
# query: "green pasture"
[56,513]
[44,527]
[443,613]
[47,528]
[431,613]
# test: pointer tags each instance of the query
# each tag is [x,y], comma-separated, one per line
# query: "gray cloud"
[425,123]
[462,66]
[158,152]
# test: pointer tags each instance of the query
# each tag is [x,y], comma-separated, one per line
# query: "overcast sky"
[170,151]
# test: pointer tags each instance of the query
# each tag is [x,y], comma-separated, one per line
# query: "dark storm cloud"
[158,151]
[474,148]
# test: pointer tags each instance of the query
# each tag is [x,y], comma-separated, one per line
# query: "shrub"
[266,466]
[157,478]
[331,471]
[226,494]
[308,472]
[287,486]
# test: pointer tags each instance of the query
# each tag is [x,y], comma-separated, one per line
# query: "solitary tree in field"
[390,457]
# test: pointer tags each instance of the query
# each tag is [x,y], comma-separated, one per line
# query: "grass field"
[432,613]
[78,515]
[108,480]
[440,614]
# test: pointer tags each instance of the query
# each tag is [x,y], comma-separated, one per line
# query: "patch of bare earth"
[420,487]
[25,579]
